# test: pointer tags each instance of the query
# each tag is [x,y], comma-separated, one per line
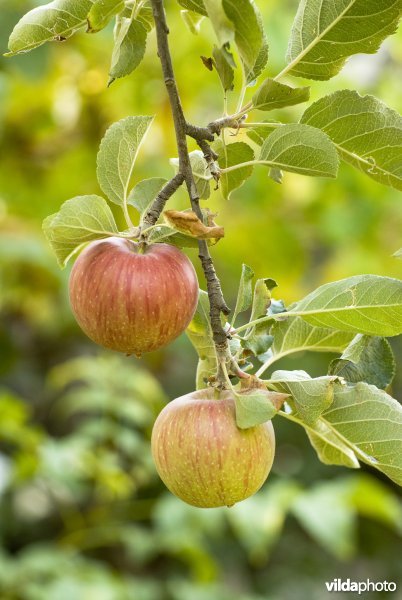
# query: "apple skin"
[203,457]
[130,300]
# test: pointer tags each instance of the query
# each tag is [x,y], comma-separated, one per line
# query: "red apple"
[133,300]
[203,457]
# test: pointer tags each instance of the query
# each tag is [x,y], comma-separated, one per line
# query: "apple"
[131,299]
[203,457]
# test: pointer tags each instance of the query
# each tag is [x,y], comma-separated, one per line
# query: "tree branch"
[156,208]
[182,129]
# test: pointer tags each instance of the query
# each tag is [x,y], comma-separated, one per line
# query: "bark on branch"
[182,129]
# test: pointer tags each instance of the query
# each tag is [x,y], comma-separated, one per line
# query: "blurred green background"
[83,514]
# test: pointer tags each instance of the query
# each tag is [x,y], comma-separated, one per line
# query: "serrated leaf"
[296,335]
[370,422]
[257,407]
[245,292]
[325,33]
[192,20]
[300,149]
[129,48]
[259,133]
[102,12]
[194,5]
[222,26]
[248,30]
[257,344]
[229,155]
[144,193]
[80,220]
[368,359]
[367,133]
[273,94]
[253,73]
[201,172]
[367,304]
[224,67]
[262,297]
[200,335]
[257,340]
[330,447]
[55,21]
[311,397]
[117,155]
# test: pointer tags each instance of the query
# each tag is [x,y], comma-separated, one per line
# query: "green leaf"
[370,422]
[201,172]
[330,447]
[169,235]
[248,30]
[367,133]
[368,359]
[245,293]
[259,133]
[102,12]
[300,149]
[117,155]
[296,335]
[257,340]
[311,397]
[376,500]
[144,193]
[55,21]
[253,73]
[224,67]
[273,95]
[200,335]
[79,221]
[194,5]
[325,33]
[192,20]
[256,407]
[327,514]
[222,26]
[398,254]
[262,297]
[129,48]
[229,155]
[367,304]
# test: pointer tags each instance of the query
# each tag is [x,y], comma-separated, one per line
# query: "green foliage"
[311,397]
[117,155]
[368,359]
[300,149]
[96,465]
[230,155]
[144,193]
[319,48]
[365,304]
[367,133]
[129,48]
[102,11]
[79,221]
[273,94]
[55,21]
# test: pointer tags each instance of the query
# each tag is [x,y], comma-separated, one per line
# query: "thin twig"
[182,129]
[156,208]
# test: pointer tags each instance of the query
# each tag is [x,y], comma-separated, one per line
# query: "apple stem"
[217,303]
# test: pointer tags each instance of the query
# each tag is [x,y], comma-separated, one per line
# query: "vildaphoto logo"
[339,585]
